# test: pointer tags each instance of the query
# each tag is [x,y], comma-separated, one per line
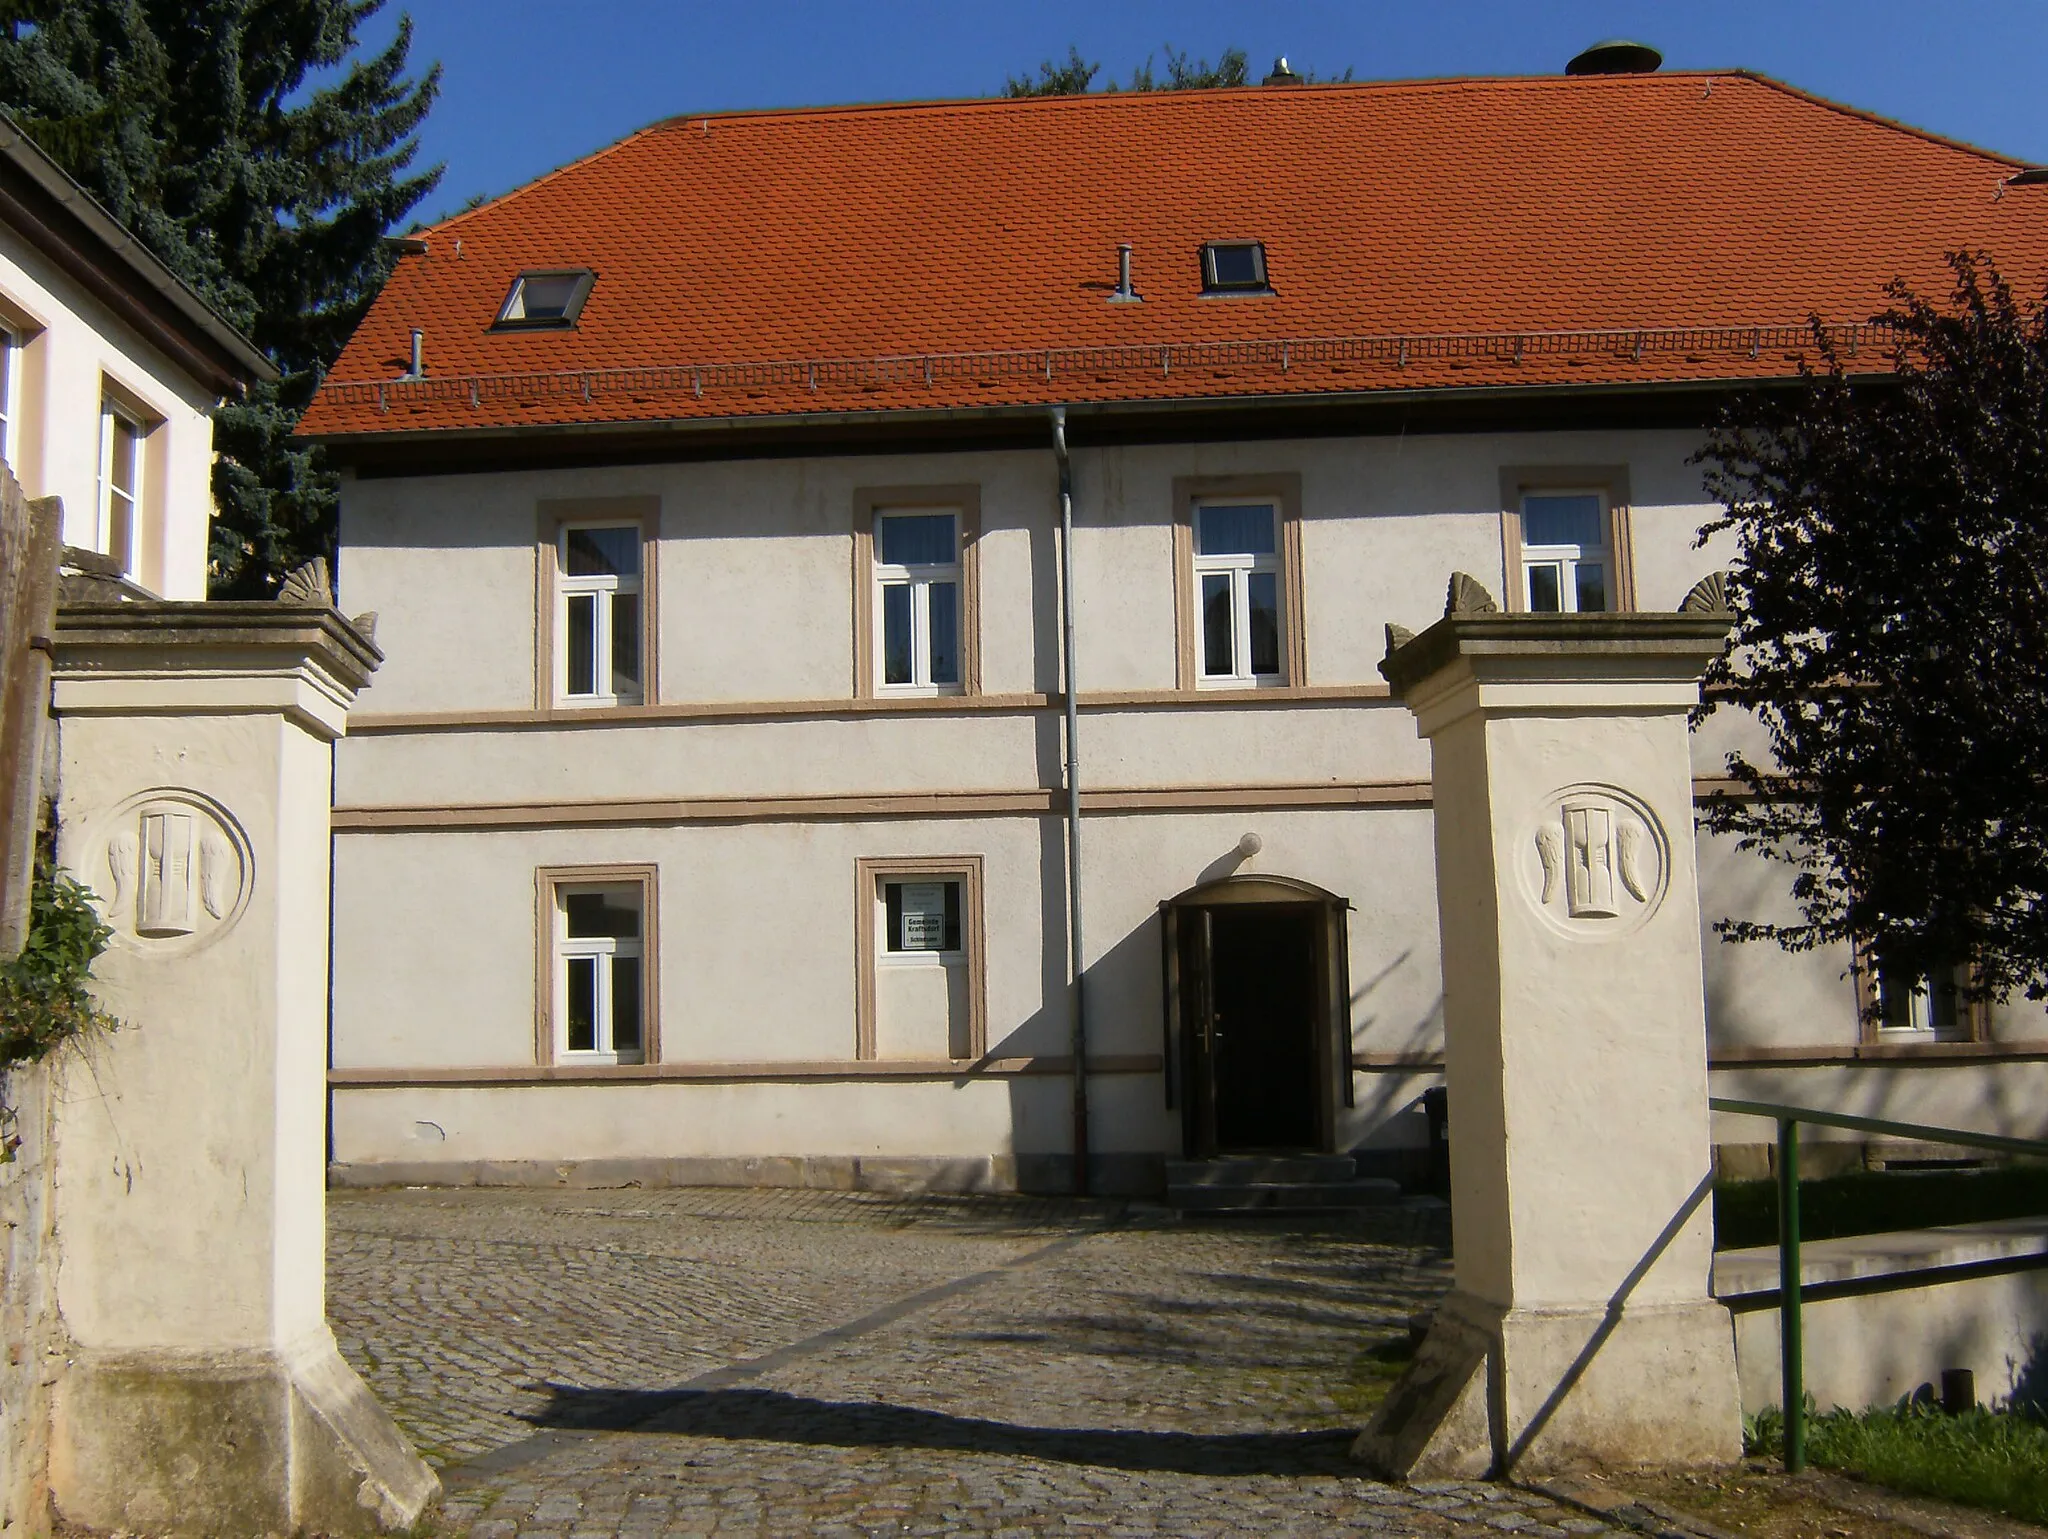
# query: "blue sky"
[530,84]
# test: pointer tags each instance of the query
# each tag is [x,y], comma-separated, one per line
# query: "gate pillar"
[202,1392]
[1579,1326]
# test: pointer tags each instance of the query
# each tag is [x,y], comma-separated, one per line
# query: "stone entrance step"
[1292,1183]
[1261,1169]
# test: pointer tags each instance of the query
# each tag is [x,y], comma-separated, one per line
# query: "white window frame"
[1920,1025]
[10,398]
[601,948]
[112,412]
[1568,558]
[1239,569]
[885,954]
[604,588]
[919,580]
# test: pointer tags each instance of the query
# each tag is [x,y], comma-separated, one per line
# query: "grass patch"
[1372,1375]
[1872,1201]
[1997,1460]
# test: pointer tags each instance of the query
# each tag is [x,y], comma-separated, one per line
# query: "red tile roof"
[960,254]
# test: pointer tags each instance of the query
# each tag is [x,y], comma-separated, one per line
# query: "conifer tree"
[262,158]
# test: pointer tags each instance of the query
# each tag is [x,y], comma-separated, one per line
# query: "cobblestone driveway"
[584,1364]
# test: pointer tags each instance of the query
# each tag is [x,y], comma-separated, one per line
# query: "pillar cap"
[1579,643]
[85,630]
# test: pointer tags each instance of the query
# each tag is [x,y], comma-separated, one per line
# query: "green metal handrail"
[1791,1360]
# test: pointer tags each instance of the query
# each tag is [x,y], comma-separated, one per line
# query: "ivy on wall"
[45,993]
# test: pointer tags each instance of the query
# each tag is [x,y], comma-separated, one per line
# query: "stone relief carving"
[1599,861]
[122,850]
[1707,596]
[180,868]
[1398,636]
[1468,596]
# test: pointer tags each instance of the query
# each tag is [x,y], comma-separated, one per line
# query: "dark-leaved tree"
[262,158]
[1075,76]
[1891,588]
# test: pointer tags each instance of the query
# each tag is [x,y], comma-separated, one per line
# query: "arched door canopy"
[1257,888]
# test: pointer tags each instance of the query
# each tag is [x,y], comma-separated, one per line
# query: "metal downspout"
[1078,1037]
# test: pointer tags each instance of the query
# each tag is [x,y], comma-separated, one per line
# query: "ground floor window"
[597,939]
[1901,1006]
[919,968]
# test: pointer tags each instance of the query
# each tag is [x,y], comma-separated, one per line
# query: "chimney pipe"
[419,354]
[1124,294]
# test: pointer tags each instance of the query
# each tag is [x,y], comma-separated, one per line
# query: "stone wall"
[30,1331]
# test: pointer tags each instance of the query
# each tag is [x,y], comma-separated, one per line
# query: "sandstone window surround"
[22,338]
[1581,512]
[595,609]
[918,922]
[916,592]
[1238,582]
[596,987]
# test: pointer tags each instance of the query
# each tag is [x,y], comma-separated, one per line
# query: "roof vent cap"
[1281,75]
[1616,56]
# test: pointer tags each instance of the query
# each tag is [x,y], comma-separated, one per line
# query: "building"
[709,818]
[110,368]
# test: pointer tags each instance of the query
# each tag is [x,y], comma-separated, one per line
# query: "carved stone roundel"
[172,869]
[1595,861]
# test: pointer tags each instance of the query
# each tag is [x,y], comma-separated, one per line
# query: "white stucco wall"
[71,352]
[434,939]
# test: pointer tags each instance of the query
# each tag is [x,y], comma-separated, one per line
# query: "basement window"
[1234,267]
[545,299]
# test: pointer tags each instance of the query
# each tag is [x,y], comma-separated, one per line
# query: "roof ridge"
[1107,98]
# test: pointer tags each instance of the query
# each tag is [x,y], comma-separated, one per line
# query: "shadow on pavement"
[771,1416]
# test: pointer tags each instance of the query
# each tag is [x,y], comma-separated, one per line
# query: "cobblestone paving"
[628,1363]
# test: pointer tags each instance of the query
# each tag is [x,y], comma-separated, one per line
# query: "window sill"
[922,959]
[919,691]
[1220,684]
[597,1060]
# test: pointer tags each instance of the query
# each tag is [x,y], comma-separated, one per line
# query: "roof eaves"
[140,263]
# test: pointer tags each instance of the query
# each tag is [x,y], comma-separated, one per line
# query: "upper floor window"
[1238,582]
[120,483]
[598,615]
[918,601]
[544,299]
[1567,562]
[1237,573]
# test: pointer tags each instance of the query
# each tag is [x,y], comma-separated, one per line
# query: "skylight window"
[1234,267]
[541,299]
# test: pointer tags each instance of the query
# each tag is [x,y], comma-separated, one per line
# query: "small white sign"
[924,916]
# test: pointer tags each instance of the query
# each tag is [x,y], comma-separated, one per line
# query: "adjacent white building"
[709,818]
[110,369]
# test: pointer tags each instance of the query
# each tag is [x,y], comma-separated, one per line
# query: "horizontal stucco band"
[372,724]
[850,806]
[769,1071]
[862,805]
[1902,1054]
